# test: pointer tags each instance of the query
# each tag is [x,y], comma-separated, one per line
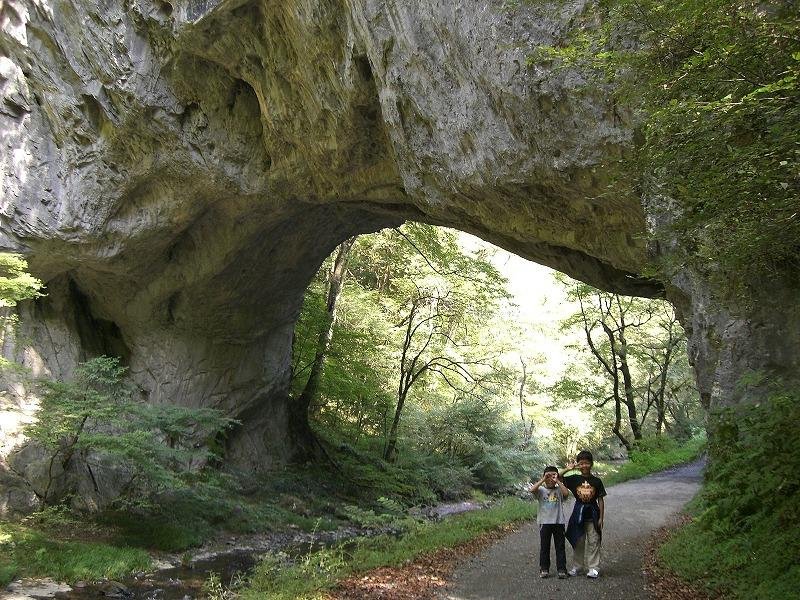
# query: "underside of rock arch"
[176,171]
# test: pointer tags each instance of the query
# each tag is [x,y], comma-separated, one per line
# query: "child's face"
[550,479]
[585,466]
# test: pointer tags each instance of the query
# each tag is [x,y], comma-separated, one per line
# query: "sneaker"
[562,574]
[573,571]
[543,574]
[593,574]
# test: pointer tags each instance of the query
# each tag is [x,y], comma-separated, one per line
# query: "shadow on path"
[509,569]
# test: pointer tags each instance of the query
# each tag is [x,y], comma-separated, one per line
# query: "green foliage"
[29,552]
[416,310]
[392,514]
[8,571]
[158,531]
[97,419]
[468,442]
[654,454]
[16,284]
[567,440]
[717,83]
[213,589]
[745,539]
[722,93]
[632,357]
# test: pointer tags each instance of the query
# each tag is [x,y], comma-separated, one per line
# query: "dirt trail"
[509,569]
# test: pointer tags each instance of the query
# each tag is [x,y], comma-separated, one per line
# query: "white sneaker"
[593,573]
[573,571]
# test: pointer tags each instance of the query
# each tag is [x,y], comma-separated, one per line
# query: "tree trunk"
[613,369]
[629,399]
[391,444]
[305,441]
[661,405]
[407,378]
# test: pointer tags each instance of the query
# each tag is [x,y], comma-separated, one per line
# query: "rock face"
[176,171]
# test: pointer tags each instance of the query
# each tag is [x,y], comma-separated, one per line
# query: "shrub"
[96,420]
[745,538]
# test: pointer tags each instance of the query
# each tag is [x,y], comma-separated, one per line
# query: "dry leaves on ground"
[419,579]
[661,583]
[422,578]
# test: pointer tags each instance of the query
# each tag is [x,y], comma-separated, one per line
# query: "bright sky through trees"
[541,305]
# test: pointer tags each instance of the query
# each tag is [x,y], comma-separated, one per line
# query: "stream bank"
[229,558]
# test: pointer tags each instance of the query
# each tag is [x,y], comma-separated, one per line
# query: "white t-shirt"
[551,506]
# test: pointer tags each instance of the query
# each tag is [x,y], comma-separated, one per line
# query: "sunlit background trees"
[432,362]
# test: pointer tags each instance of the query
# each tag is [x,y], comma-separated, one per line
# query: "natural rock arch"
[177,171]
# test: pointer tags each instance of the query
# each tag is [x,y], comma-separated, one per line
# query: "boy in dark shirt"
[585,528]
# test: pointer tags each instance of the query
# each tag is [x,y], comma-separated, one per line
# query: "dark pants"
[557,533]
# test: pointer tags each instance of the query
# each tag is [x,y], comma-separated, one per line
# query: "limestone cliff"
[176,171]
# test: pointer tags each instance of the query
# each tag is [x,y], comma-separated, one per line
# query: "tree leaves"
[97,419]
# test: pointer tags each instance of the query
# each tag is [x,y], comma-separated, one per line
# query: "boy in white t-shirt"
[550,493]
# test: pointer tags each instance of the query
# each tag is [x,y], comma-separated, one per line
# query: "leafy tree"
[95,420]
[662,351]
[435,341]
[407,315]
[440,311]
[303,435]
[354,389]
[16,285]
[634,345]
[468,441]
[717,86]
[720,83]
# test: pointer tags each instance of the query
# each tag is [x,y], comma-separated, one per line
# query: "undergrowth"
[29,552]
[650,455]
[60,544]
[744,541]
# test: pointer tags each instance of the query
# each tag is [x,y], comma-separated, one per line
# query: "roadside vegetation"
[743,540]
[279,578]
[58,543]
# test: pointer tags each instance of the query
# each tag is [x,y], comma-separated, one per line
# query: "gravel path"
[509,569]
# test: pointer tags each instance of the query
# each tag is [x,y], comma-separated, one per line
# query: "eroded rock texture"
[177,171]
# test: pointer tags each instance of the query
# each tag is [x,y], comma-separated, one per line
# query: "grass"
[757,565]
[157,532]
[183,521]
[28,552]
[41,548]
[276,580]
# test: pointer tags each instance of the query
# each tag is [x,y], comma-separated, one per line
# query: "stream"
[231,559]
